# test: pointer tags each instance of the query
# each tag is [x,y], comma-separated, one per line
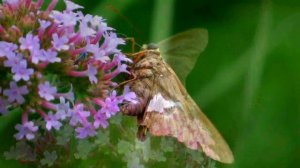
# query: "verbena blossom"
[47,91]
[15,93]
[49,57]
[30,42]
[26,130]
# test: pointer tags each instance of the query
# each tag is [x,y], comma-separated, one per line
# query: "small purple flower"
[7,49]
[129,96]
[85,131]
[72,6]
[66,18]
[37,56]
[85,30]
[16,93]
[13,60]
[30,42]
[121,58]
[63,109]
[110,106]
[97,23]
[91,73]
[50,56]
[21,71]
[26,130]
[99,55]
[78,114]
[60,43]
[52,122]
[44,24]
[111,42]
[11,2]
[3,106]
[69,95]
[123,68]
[47,91]
[100,119]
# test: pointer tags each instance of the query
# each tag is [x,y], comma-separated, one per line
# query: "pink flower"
[100,119]
[26,130]
[52,122]
[7,49]
[3,106]
[87,130]
[30,42]
[21,71]
[59,43]
[72,6]
[47,91]
[16,93]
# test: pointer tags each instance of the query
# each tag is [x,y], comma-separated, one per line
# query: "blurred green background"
[247,81]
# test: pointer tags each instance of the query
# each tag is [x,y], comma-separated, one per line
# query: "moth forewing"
[172,112]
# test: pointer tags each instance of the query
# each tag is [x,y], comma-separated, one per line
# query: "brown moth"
[165,108]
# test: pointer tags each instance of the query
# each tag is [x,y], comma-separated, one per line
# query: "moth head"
[150,46]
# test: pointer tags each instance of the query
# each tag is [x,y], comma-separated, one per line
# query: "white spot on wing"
[158,104]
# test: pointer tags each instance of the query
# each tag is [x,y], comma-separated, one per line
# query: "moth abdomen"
[135,109]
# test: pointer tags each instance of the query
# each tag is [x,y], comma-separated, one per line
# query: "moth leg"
[132,40]
[141,133]
[127,81]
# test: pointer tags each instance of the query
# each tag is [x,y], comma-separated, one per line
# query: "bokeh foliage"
[247,81]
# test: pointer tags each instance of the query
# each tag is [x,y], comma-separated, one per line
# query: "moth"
[164,106]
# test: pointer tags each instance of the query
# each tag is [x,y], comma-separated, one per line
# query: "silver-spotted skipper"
[165,108]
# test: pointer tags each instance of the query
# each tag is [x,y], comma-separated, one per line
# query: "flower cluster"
[47,57]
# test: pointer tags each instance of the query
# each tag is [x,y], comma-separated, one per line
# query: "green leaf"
[143,147]
[65,135]
[124,147]
[22,151]
[157,156]
[196,156]
[167,144]
[102,137]
[116,119]
[49,158]
[84,148]
[133,160]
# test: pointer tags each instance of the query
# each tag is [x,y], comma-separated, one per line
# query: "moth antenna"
[124,18]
